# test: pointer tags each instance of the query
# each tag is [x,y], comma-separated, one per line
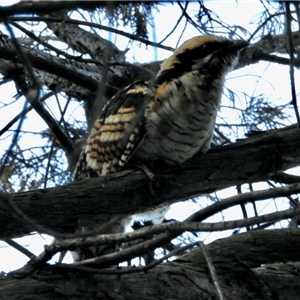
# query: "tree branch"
[29,7]
[187,277]
[251,160]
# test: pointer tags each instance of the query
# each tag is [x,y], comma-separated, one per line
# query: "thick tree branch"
[239,274]
[95,201]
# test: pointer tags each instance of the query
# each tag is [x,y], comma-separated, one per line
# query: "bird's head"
[207,53]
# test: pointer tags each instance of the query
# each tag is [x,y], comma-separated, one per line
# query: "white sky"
[273,86]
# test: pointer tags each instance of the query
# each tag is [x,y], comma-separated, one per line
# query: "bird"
[165,121]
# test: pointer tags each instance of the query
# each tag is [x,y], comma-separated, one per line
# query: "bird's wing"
[117,132]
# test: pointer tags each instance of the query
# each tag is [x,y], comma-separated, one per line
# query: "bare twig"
[100,93]
[27,63]
[242,205]
[20,248]
[127,270]
[243,198]
[292,63]
[212,270]
[177,23]
[62,113]
[53,125]
[263,24]
[95,25]
[144,233]
[176,229]
[49,46]
[23,113]
[32,96]
[9,153]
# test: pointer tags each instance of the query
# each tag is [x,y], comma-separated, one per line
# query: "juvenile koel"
[162,122]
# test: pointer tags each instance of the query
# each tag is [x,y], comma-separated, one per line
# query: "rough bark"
[95,201]
[246,266]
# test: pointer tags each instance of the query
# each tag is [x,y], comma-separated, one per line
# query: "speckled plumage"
[116,134]
[166,121]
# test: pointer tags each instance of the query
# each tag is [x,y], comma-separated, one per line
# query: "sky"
[275,87]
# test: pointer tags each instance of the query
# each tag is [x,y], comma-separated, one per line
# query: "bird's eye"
[203,47]
[206,48]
